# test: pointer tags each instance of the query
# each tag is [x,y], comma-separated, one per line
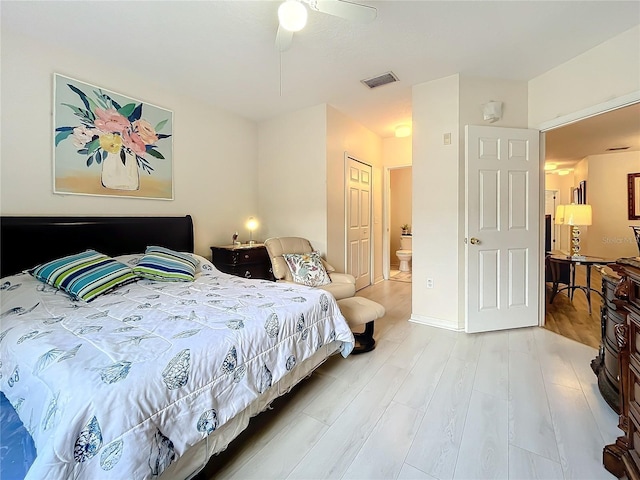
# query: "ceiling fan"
[292,16]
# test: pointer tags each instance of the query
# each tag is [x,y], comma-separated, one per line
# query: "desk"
[555,263]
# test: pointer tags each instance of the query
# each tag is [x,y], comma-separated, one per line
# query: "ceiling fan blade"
[349,10]
[284,38]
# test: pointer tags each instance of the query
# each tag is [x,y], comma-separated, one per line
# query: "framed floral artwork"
[109,144]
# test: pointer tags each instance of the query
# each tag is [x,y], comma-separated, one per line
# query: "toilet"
[404,254]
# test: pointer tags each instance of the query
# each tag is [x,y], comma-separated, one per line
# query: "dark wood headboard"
[28,241]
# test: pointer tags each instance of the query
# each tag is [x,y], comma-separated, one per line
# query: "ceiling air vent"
[616,149]
[380,80]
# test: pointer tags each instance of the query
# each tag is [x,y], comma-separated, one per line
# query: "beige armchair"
[342,285]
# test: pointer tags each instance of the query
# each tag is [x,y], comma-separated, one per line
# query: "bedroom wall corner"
[345,135]
[292,175]
[215,152]
[436,197]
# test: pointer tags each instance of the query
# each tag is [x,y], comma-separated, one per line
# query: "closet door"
[359,179]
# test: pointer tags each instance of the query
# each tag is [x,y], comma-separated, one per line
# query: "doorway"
[587,149]
[398,213]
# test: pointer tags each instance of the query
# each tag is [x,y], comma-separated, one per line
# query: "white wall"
[610,236]
[292,176]
[439,107]
[476,91]
[396,151]
[301,178]
[608,71]
[345,135]
[436,208]
[215,153]
[562,184]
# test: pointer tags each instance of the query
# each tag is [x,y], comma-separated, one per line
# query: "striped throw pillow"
[84,276]
[165,265]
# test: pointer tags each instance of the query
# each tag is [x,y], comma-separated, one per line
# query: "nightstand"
[248,261]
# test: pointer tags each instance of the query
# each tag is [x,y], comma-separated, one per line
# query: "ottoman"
[361,311]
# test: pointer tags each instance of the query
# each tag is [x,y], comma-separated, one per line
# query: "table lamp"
[576,216]
[251,224]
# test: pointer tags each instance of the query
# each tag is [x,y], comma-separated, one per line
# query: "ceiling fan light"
[292,15]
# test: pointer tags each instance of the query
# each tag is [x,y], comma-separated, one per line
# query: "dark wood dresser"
[606,365]
[622,458]
[248,261]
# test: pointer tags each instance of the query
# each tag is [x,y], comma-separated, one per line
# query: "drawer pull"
[247,274]
[246,256]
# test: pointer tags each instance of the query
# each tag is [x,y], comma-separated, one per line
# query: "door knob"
[474,241]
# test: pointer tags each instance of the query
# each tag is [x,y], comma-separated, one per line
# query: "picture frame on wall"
[575,195]
[583,192]
[633,195]
[109,144]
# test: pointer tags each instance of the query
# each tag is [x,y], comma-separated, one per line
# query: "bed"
[152,378]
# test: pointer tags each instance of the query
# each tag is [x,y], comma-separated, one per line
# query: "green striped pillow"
[166,265]
[84,276]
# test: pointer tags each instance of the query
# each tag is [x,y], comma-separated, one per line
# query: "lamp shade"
[252,223]
[559,218]
[577,214]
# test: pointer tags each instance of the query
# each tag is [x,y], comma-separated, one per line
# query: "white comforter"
[120,387]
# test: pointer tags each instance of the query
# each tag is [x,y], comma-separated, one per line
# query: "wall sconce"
[403,131]
[492,111]
[251,225]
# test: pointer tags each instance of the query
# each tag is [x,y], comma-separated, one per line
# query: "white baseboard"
[435,322]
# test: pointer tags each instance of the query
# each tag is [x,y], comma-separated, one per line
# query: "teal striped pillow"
[84,276]
[165,265]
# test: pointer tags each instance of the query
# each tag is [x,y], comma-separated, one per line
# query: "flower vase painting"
[110,144]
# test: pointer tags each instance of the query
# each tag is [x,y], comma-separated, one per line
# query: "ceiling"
[567,145]
[223,52]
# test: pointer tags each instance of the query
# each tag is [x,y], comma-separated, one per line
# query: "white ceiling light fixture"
[292,15]
[564,172]
[550,166]
[403,131]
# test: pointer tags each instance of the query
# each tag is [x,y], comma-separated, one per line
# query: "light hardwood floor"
[572,318]
[430,403]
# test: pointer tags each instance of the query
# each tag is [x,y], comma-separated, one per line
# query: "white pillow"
[307,269]
[204,265]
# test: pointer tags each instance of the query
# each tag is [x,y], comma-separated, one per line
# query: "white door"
[359,222]
[502,228]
